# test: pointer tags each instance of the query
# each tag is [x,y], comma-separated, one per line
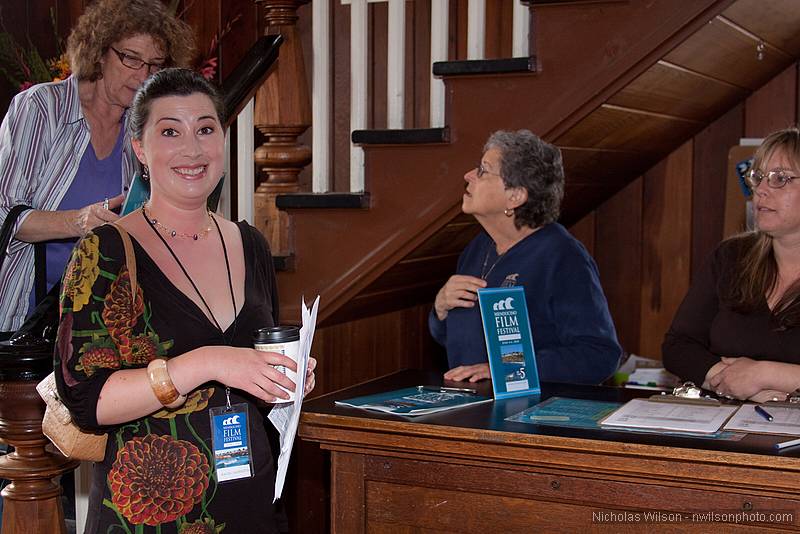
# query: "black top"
[705,328]
[159,469]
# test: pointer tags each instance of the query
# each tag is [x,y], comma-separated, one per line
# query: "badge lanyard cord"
[151,224]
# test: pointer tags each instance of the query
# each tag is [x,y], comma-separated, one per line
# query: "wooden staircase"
[617,85]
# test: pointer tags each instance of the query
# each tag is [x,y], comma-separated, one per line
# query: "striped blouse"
[42,140]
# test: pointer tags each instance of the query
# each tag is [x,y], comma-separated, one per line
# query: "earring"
[508,212]
[145,173]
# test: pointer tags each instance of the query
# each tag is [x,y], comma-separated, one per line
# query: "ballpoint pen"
[443,389]
[763,413]
[787,444]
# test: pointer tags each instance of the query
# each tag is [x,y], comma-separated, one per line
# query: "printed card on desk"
[509,342]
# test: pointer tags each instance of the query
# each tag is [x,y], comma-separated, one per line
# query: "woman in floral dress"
[204,285]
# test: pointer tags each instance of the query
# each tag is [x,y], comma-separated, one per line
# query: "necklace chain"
[174,233]
[484,273]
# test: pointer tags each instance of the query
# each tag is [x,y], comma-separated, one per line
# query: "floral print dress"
[158,474]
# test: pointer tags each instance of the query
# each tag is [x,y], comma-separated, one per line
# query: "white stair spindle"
[358,88]
[321,97]
[440,18]
[521,29]
[396,64]
[476,29]
[245,169]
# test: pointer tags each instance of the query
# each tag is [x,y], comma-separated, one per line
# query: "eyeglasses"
[480,171]
[775,179]
[135,63]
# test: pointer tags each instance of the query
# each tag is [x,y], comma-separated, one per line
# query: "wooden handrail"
[251,72]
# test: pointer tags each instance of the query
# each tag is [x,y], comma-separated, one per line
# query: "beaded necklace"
[174,233]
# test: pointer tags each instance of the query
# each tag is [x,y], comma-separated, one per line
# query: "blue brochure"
[509,342]
[138,194]
[417,400]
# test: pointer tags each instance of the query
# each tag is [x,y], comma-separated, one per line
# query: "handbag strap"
[130,259]
[6,232]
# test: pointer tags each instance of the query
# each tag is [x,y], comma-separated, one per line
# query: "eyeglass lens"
[775,179]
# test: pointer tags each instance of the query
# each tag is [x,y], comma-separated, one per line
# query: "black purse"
[41,324]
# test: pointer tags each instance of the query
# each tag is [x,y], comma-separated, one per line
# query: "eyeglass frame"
[480,170]
[123,57]
[754,177]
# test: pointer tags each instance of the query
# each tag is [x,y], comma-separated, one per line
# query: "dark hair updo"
[169,82]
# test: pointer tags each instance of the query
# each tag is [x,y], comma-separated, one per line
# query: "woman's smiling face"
[183,146]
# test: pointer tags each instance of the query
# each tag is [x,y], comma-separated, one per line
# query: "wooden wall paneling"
[580,199]
[735,219]
[378,30]
[724,51]
[418,44]
[340,181]
[663,89]
[709,177]
[499,21]
[774,106]
[775,21]
[584,231]
[244,32]
[615,127]
[666,254]
[22,18]
[360,350]
[618,253]
[458,30]
[204,18]
[610,167]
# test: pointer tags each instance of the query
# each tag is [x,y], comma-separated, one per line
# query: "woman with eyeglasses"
[515,194]
[737,331]
[63,147]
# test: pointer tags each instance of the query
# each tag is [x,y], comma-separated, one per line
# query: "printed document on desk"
[418,400]
[786,420]
[672,416]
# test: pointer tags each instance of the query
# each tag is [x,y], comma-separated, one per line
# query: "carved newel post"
[32,502]
[282,114]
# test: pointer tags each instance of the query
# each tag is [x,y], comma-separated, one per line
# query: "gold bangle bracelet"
[163,388]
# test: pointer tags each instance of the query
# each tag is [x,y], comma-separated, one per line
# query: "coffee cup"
[283,340]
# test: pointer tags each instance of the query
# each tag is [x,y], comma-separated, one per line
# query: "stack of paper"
[285,417]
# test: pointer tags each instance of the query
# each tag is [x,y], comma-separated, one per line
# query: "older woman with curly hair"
[63,147]
[515,194]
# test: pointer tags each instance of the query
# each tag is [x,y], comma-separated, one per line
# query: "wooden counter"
[470,470]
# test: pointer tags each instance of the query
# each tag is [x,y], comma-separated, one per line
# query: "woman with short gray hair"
[515,194]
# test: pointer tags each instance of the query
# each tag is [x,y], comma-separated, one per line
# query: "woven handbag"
[57,423]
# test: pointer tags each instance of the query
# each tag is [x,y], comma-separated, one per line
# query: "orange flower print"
[120,314]
[156,479]
[82,271]
[97,354]
[205,526]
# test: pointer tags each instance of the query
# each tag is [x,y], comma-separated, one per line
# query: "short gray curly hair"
[527,161]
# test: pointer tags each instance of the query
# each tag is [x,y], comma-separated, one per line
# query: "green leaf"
[39,70]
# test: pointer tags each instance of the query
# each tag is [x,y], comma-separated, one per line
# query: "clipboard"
[670,413]
[786,419]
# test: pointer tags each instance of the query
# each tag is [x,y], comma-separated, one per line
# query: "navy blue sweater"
[573,334]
